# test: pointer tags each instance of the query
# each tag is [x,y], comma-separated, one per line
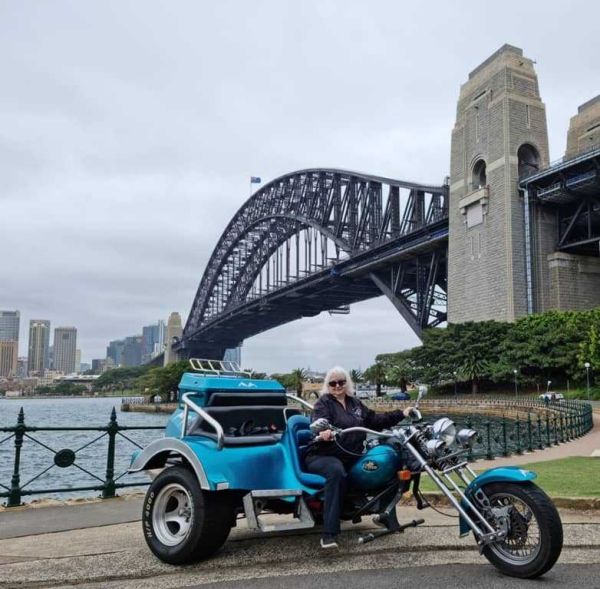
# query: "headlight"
[466,437]
[444,430]
[435,447]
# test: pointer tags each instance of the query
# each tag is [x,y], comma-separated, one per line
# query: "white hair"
[341,373]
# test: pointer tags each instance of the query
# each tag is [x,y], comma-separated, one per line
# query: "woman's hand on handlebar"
[412,413]
[325,436]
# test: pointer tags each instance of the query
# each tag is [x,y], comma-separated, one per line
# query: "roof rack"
[218,367]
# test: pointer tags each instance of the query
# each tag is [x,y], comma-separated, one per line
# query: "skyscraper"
[174,329]
[65,349]
[8,358]
[9,342]
[39,342]
[9,326]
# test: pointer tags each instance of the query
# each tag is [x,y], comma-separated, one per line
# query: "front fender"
[502,474]
[157,452]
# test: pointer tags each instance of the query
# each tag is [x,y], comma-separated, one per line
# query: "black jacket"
[355,414]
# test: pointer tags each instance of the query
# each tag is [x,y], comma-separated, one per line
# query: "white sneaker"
[328,541]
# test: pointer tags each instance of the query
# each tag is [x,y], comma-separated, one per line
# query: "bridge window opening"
[479,177]
[529,160]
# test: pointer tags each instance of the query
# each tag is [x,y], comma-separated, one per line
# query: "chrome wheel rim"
[523,542]
[172,515]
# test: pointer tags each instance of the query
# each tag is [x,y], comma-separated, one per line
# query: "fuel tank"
[374,469]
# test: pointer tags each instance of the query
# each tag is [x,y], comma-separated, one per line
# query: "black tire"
[550,538]
[181,522]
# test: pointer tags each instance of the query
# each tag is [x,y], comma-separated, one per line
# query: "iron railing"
[64,458]
[509,426]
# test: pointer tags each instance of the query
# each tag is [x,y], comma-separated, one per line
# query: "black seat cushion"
[264,423]
[243,399]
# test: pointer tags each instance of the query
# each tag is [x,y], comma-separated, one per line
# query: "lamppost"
[587,374]
[548,386]
[454,373]
[515,373]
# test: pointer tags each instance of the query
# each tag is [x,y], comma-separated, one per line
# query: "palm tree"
[376,374]
[356,375]
[298,377]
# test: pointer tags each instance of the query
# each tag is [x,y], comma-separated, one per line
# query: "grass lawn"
[577,476]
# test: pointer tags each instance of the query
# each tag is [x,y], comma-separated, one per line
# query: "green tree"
[356,375]
[298,377]
[162,381]
[375,374]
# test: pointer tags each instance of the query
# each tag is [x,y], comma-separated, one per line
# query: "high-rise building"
[9,326]
[132,351]
[39,342]
[8,358]
[9,342]
[78,361]
[65,349]
[150,339]
[174,330]
[114,351]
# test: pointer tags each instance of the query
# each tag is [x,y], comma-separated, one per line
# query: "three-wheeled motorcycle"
[234,448]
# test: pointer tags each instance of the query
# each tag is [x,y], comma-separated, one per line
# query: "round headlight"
[466,437]
[444,430]
[435,447]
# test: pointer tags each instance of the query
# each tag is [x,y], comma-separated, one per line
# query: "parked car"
[398,395]
[551,397]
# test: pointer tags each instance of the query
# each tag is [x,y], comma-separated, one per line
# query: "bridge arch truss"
[318,240]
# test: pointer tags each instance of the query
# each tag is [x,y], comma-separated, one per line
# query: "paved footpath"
[116,556]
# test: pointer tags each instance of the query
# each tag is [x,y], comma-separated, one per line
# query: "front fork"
[469,512]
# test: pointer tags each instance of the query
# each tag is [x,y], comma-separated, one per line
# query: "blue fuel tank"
[375,469]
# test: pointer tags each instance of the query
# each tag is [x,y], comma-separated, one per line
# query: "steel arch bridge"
[318,240]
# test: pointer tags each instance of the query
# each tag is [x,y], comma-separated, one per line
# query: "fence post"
[14,497]
[555,430]
[489,455]
[518,426]
[539,429]
[549,443]
[470,453]
[109,484]
[529,433]
[504,442]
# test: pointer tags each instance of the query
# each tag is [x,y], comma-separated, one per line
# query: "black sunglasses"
[335,383]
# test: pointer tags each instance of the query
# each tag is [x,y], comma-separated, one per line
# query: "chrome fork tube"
[449,494]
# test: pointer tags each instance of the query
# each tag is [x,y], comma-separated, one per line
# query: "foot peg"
[378,533]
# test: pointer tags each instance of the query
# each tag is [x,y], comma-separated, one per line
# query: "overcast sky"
[129,130]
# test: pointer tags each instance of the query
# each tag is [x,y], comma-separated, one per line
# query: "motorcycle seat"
[300,436]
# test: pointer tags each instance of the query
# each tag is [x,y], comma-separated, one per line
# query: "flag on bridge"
[255,180]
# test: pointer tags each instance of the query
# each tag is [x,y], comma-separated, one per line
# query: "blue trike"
[234,449]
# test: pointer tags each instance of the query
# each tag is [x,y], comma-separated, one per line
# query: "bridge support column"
[574,282]
[500,133]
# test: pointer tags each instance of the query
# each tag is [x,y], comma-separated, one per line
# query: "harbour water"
[90,447]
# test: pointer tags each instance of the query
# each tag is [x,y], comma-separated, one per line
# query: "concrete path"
[116,556]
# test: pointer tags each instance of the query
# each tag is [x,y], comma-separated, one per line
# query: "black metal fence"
[513,426]
[107,482]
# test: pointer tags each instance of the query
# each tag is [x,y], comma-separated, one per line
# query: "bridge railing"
[24,437]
